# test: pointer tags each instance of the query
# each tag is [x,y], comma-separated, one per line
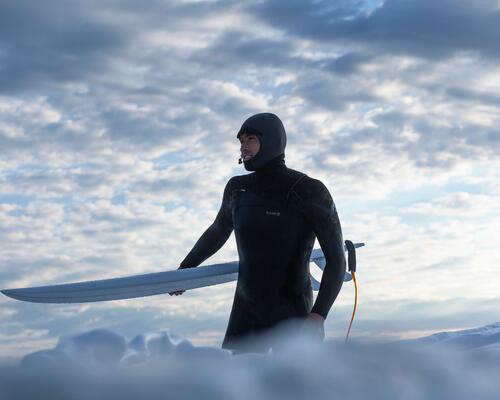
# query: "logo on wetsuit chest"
[274,213]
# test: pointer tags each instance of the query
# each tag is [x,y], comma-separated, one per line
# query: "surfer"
[276,214]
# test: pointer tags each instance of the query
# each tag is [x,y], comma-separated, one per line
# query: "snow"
[103,364]
[476,338]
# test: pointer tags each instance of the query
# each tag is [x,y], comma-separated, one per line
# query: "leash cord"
[355,304]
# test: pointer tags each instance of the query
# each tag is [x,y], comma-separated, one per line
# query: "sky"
[117,137]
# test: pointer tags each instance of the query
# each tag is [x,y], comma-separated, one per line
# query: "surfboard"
[143,285]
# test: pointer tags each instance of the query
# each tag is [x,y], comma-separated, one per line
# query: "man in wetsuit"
[276,214]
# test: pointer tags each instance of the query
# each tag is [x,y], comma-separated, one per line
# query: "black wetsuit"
[276,214]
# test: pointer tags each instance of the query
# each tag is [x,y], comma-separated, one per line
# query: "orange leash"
[355,304]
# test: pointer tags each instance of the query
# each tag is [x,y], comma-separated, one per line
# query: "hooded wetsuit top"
[276,214]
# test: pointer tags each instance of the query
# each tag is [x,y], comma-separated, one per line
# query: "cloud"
[458,205]
[189,315]
[43,47]
[427,29]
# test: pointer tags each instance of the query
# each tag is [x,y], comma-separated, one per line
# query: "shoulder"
[312,189]
[292,173]
[239,181]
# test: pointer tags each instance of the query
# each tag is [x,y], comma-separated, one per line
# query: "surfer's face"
[250,146]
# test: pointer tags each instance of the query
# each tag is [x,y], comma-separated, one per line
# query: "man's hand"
[314,327]
[315,317]
[176,293]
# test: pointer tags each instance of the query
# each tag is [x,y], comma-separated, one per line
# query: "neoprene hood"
[272,137]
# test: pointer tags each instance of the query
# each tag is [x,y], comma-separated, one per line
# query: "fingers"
[177,293]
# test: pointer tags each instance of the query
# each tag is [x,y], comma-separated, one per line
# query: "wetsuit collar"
[275,166]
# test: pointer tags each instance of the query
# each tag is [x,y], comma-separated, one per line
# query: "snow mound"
[103,364]
[486,337]
[104,348]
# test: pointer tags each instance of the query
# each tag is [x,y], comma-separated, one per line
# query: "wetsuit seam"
[292,188]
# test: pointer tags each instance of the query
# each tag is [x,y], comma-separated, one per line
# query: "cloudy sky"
[117,136]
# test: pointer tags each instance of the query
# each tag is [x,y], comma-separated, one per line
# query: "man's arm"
[326,226]
[215,236]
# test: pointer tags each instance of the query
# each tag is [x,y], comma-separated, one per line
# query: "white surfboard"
[142,285]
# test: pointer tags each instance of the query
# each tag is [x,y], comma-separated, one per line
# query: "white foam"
[104,364]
